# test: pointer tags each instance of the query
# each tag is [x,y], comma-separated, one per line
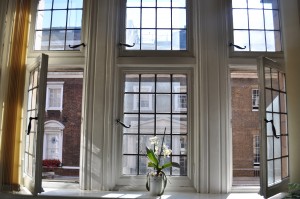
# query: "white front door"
[274,128]
[34,117]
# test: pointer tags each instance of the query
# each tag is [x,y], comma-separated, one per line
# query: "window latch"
[118,121]
[273,128]
[29,125]
[239,47]
[78,45]
[127,45]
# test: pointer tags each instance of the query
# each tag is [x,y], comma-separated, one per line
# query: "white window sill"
[71,193]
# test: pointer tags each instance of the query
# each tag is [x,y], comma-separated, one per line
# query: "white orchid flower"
[166,151]
[154,140]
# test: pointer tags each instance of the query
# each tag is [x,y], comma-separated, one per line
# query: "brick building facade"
[69,117]
[245,127]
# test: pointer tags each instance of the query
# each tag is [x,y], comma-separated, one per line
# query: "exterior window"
[143,101]
[146,123]
[58,24]
[255,99]
[256,150]
[54,96]
[156,25]
[53,140]
[256,25]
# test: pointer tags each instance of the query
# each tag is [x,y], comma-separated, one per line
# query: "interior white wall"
[291,33]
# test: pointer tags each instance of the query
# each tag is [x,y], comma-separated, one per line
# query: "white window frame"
[183,183]
[248,54]
[54,85]
[53,127]
[58,58]
[156,53]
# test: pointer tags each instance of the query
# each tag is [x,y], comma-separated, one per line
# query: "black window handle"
[273,128]
[29,125]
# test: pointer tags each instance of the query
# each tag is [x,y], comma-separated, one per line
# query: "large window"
[256,25]
[58,24]
[156,25]
[161,93]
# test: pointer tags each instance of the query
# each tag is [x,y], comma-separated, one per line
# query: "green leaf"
[175,164]
[151,164]
[151,156]
[169,164]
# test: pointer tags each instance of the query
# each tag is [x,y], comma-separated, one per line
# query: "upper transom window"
[58,24]
[156,25]
[256,25]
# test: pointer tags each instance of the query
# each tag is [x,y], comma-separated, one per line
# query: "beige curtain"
[11,131]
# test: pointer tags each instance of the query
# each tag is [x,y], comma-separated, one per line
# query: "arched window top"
[54,125]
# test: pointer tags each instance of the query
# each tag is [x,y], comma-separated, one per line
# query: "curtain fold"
[13,104]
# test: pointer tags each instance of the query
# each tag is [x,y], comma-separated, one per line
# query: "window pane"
[270,172]
[164,3]
[57,40]
[148,18]
[163,103]
[179,124]
[148,3]
[277,170]
[179,40]
[257,41]
[285,167]
[133,3]
[164,18]
[75,3]
[256,19]
[164,39]
[60,4]
[129,165]
[43,20]
[271,4]
[59,19]
[242,38]
[162,122]
[74,18]
[147,124]
[133,17]
[179,18]
[45,4]
[148,39]
[273,41]
[133,37]
[179,3]
[163,84]
[240,18]
[130,140]
[239,3]
[132,120]
[41,40]
[255,4]
[272,19]
[73,38]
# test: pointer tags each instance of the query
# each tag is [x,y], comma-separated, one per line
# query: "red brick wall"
[70,117]
[245,124]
